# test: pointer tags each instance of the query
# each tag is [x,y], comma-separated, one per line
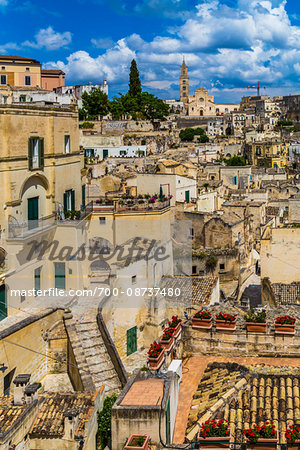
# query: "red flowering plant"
[155,350]
[266,431]
[292,434]
[285,320]
[213,428]
[174,322]
[168,334]
[226,317]
[203,315]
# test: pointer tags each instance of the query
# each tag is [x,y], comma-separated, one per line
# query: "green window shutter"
[3,304]
[60,275]
[65,202]
[41,153]
[30,153]
[72,200]
[131,340]
[83,195]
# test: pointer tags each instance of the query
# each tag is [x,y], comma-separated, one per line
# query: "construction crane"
[258,88]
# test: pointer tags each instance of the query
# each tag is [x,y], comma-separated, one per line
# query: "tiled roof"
[9,414]
[287,293]
[145,393]
[246,395]
[193,289]
[49,422]
[169,162]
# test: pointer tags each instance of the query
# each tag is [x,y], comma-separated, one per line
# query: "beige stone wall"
[239,343]
[280,255]
[17,182]
[25,361]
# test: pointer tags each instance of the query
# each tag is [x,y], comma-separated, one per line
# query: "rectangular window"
[60,275]
[194,270]
[102,220]
[133,279]
[69,200]
[36,153]
[191,232]
[131,340]
[235,180]
[27,80]
[222,266]
[3,79]
[67,143]
[22,98]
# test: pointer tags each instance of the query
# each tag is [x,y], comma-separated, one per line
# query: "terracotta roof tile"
[49,421]
[192,289]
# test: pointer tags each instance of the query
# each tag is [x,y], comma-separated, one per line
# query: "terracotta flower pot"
[222,325]
[155,363]
[256,327]
[177,330]
[284,329]
[214,441]
[293,445]
[132,437]
[261,444]
[167,344]
[204,324]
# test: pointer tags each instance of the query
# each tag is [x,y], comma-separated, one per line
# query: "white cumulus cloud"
[50,39]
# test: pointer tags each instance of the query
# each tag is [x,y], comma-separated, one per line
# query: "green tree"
[116,108]
[153,108]
[95,103]
[199,131]
[203,138]
[135,87]
[235,161]
[104,421]
[187,134]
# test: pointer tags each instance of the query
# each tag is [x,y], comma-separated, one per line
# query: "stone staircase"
[92,358]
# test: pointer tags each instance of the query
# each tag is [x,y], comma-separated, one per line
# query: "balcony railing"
[135,205]
[26,228]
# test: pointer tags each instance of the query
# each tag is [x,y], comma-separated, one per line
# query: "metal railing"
[28,227]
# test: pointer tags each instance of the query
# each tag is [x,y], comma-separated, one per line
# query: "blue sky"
[227,45]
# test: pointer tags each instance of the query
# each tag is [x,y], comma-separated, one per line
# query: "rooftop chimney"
[71,420]
[31,393]
[20,382]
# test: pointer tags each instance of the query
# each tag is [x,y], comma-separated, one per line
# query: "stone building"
[184,84]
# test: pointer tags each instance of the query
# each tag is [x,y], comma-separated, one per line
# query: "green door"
[131,341]
[187,196]
[60,275]
[3,306]
[105,153]
[33,212]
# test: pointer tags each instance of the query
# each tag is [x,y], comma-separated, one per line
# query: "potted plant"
[138,442]
[292,436]
[285,325]
[202,319]
[262,437]
[214,434]
[256,321]
[226,321]
[156,355]
[176,324]
[167,339]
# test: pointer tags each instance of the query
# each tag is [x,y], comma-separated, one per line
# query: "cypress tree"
[135,87]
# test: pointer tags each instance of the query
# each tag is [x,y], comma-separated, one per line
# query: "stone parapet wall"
[239,343]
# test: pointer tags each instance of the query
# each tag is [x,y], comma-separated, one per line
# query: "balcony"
[125,206]
[28,228]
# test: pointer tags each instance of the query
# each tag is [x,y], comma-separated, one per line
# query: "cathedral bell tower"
[184,83]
